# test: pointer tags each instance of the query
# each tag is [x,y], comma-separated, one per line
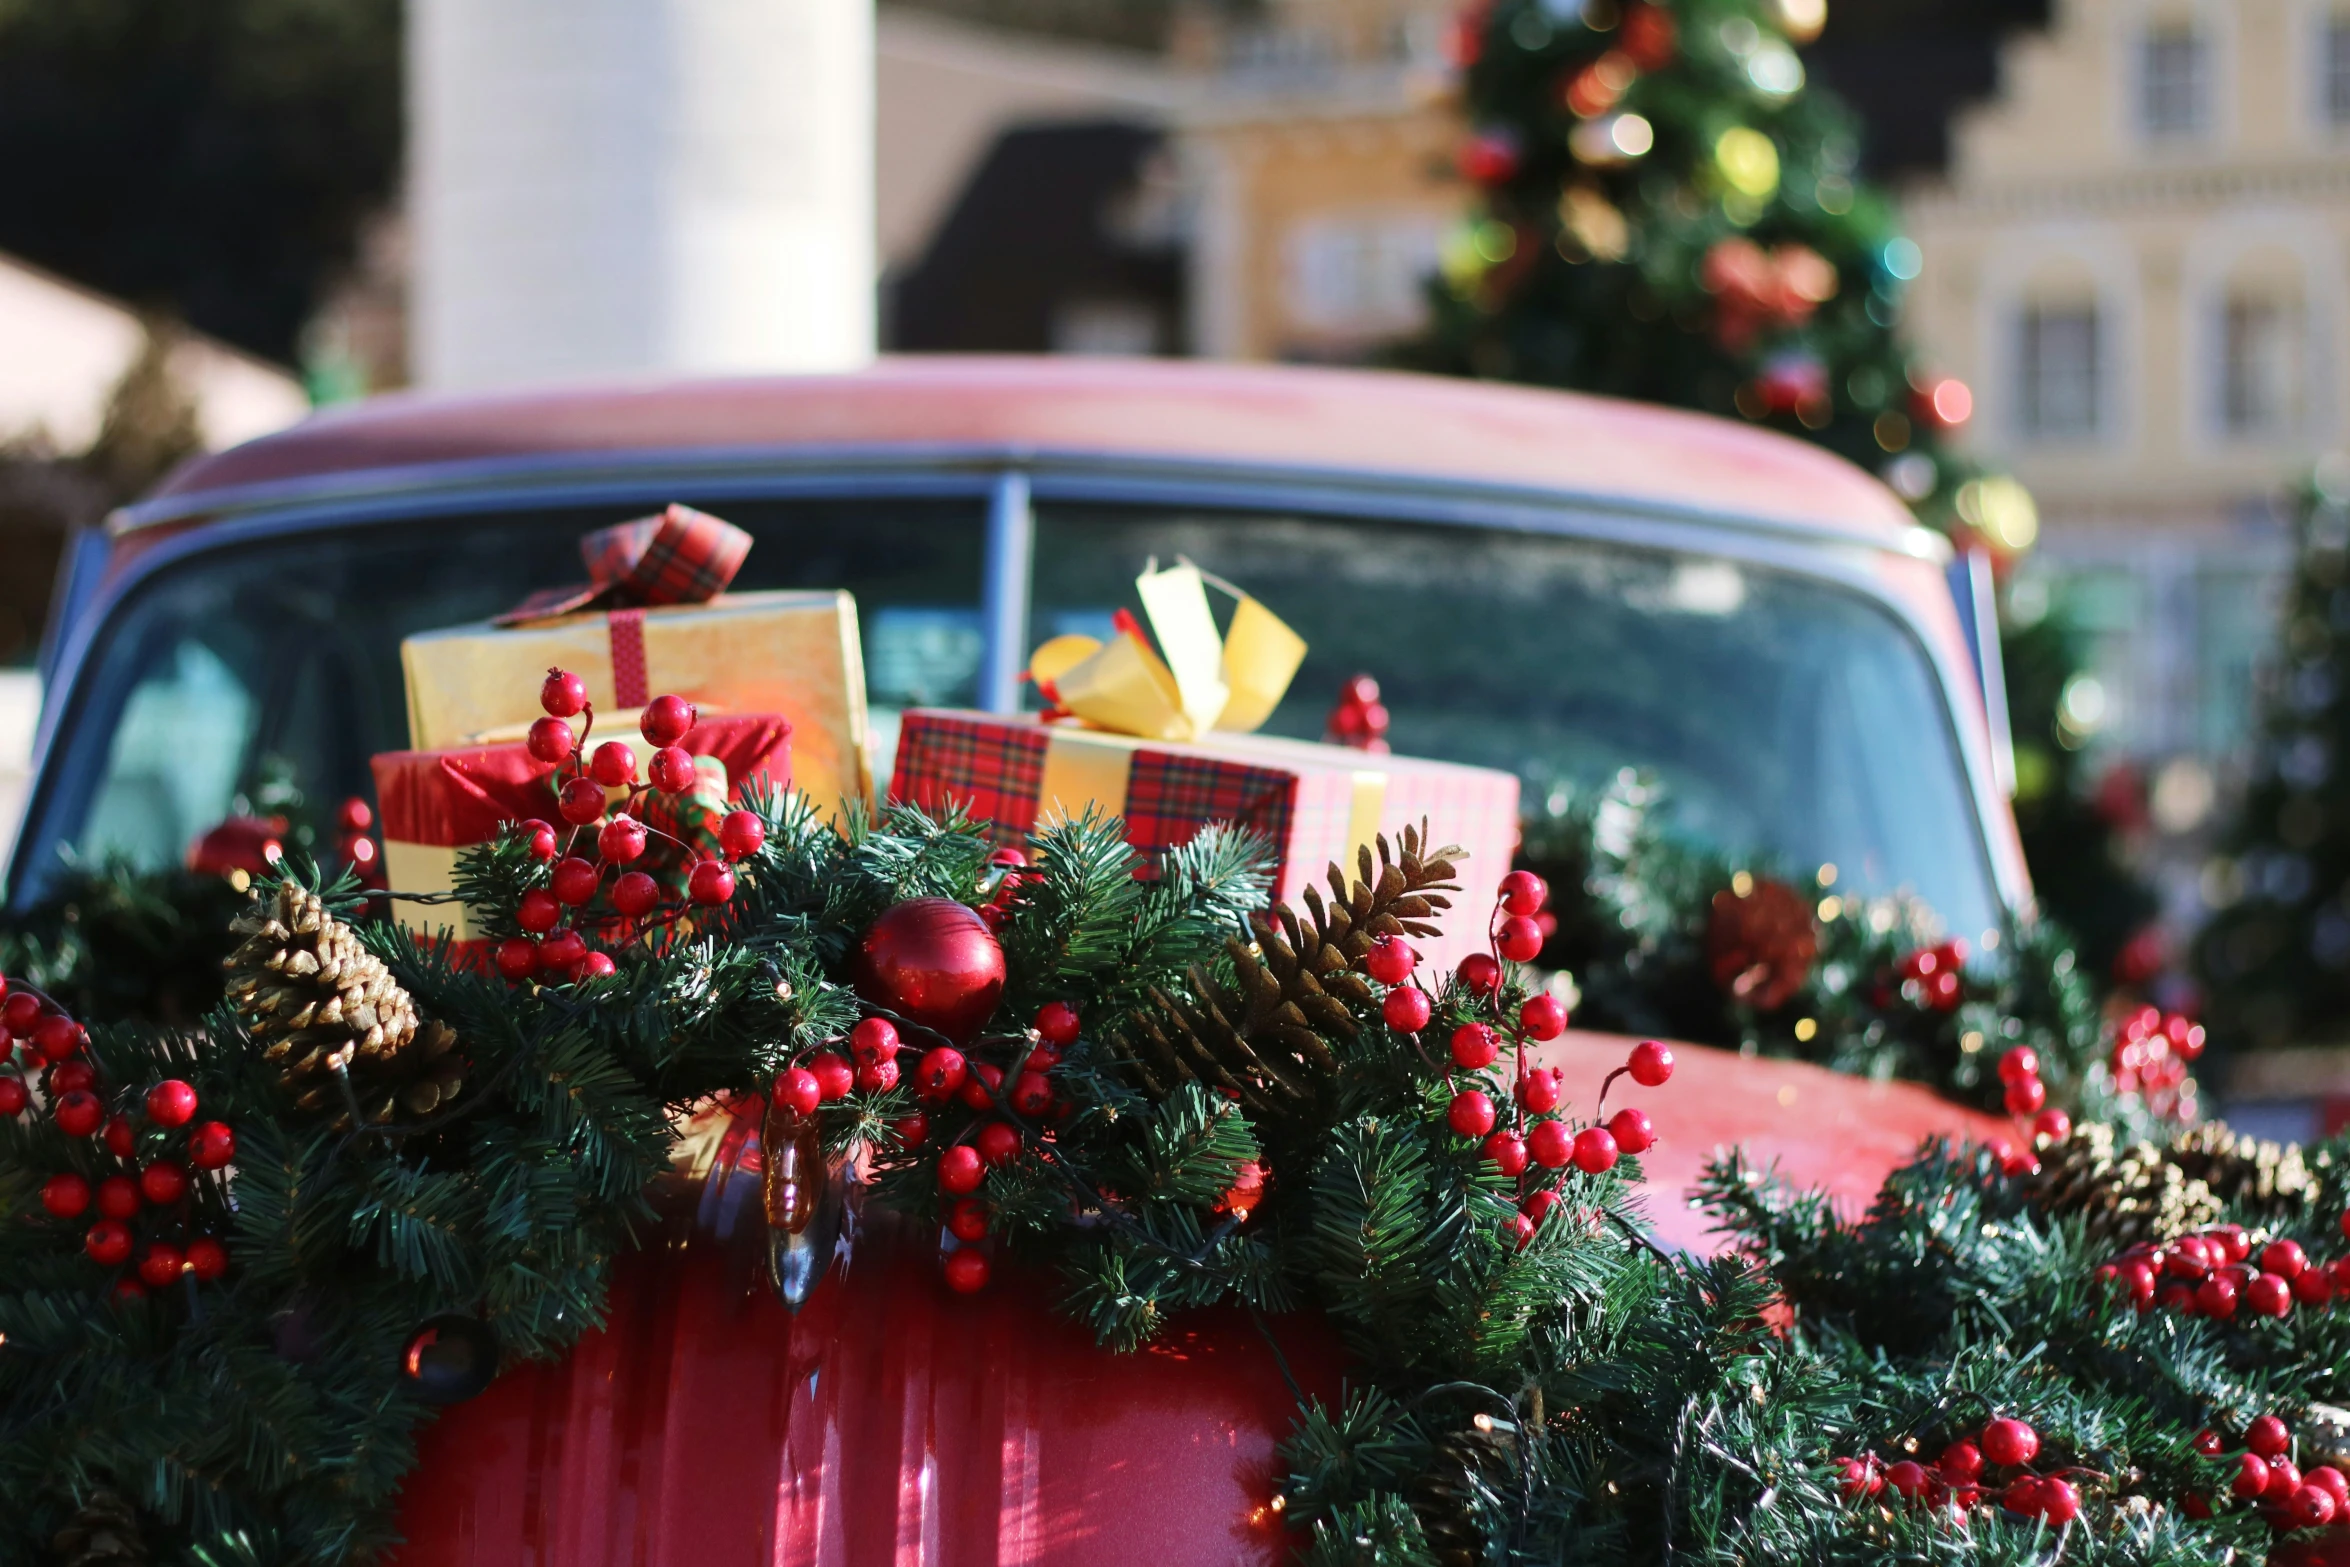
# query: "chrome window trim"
[1010,482]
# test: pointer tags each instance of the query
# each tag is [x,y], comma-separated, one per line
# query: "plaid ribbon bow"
[681,556]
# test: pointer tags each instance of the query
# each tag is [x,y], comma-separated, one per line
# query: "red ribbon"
[680,556]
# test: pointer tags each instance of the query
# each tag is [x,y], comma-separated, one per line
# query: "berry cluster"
[1488,1060]
[1934,978]
[2267,1478]
[1359,718]
[2151,1054]
[556,919]
[2211,1274]
[1009,868]
[1995,1462]
[138,1166]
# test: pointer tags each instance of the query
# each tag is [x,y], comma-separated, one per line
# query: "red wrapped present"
[435,803]
[1317,803]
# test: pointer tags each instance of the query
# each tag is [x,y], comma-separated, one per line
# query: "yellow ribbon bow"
[1204,681]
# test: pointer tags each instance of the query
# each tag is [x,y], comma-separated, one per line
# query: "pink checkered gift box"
[1316,802]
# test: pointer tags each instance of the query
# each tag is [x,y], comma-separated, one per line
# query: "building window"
[2174,80]
[2260,366]
[2333,64]
[2056,360]
[1360,275]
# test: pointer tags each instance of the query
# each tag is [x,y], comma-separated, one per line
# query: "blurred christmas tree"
[2277,961]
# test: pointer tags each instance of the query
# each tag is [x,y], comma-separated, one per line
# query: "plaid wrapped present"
[434,803]
[1316,802]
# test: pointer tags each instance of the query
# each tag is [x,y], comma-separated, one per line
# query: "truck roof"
[1350,422]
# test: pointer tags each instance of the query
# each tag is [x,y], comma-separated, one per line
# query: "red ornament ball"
[2267,1436]
[540,836]
[1632,1130]
[797,1090]
[551,741]
[1519,939]
[1595,1150]
[967,1220]
[78,1114]
[66,1195]
[672,770]
[2026,1096]
[581,802]
[873,1038]
[1506,1152]
[834,1076]
[940,1074]
[1470,1114]
[1523,893]
[163,1183]
[1480,974]
[212,1146]
[959,1170]
[741,834]
[539,912]
[2019,1064]
[621,840]
[1406,1009]
[563,693]
[2009,1441]
[667,720]
[1390,960]
[575,880]
[161,1265]
[1474,1045]
[1057,1024]
[1551,1144]
[877,1076]
[933,960]
[1543,1017]
[1541,1089]
[710,884]
[966,1270]
[517,958]
[998,1142]
[108,1243]
[14,1097]
[1651,1063]
[635,894]
[614,764]
[207,1258]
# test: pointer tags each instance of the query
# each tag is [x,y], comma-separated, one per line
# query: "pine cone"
[320,1004]
[2139,1193]
[1760,943]
[2270,1176]
[1444,1495]
[1264,1036]
[105,1533]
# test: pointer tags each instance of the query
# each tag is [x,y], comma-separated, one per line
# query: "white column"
[625,187]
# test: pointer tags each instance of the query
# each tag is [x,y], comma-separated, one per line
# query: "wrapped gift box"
[1316,802]
[792,654]
[433,803]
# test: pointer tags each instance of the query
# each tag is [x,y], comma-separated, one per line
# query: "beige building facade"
[2140,260]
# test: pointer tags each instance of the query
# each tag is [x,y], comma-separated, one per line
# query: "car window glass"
[1786,718]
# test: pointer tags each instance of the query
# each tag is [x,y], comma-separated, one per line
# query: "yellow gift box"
[796,654]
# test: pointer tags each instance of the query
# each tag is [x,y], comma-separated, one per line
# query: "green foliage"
[114,945]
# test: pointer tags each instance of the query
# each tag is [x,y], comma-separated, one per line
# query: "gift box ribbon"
[680,556]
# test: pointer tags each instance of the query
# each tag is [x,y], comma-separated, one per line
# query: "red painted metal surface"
[892,1424]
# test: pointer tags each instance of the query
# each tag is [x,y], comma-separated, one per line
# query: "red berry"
[959,1170]
[635,894]
[14,1097]
[596,965]
[1406,1009]
[562,952]
[1543,1017]
[1538,1205]
[2026,1096]
[551,741]
[1632,1130]
[941,1073]
[575,881]
[966,1271]
[911,1131]
[581,802]
[2251,1476]
[72,1075]
[967,1220]
[710,884]
[163,1183]
[2019,1064]
[741,834]
[1651,1063]
[1541,1089]
[797,1090]
[2210,1443]
[2283,1479]
[614,764]
[1551,1144]
[834,1076]
[979,1089]
[563,693]
[621,840]
[1474,1045]
[1962,1461]
[672,770]
[2189,1258]
[212,1145]
[2233,1243]
[2060,1501]
[667,720]
[78,1114]
[2267,1436]
[2313,1287]
[59,1039]
[2054,1125]
[539,912]
[21,1013]
[873,1038]
[877,1076]
[1524,893]
[1595,1150]
[2332,1481]
[1470,1114]
[2017,1161]
[1032,1094]
[161,1265]
[2008,1441]
[120,1140]
[1858,1479]
[998,1142]
[66,1196]
[1908,1478]
[1480,975]
[1506,1152]
[2309,1507]
[1519,939]
[108,1243]
[2269,1295]
[354,815]
[2284,1258]
[518,958]
[128,1292]
[1390,960]
[1056,1024]
[2215,1297]
[207,1258]
[1520,1230]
